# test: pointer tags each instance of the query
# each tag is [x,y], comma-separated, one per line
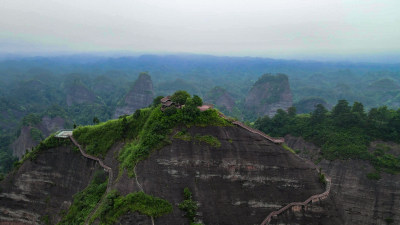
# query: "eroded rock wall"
[240,182]
[141,95]
[360,200]
[25,142]
[79,94]
[44,186]
[269,93]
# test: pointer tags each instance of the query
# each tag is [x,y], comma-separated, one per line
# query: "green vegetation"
[48,143]
[116,205]
[211,140]
[288,148]
[343,133]
[31,119]
[389,220]
[146,130]
[189,206]
[275,87]
[35,86]
[36,134]
[208,139]
[374,176]
[86,200]
[45,219]
[6,162]
[96,120]
[183,136]
[159,125]
[180,97]
[321,178]
[99,138]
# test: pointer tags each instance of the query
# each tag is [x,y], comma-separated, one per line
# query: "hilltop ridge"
[159,154]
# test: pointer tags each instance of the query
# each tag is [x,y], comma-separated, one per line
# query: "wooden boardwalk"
[255,131]
[105,167]
[314,198]
[267,220]
[294,205]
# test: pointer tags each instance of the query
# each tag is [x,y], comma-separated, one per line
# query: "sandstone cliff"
[221,98]
[359,200]
[240,182]
[44,187]
[268,94]
[79,94]
[141,95]
[31,135]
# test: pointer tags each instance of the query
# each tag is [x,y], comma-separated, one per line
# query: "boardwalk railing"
[255,131]
[274,140]
[105,167]
[314,198]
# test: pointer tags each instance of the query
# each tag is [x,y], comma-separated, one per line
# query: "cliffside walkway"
[141,189]
[294,205]
[298,205]
[105,167]
[255,131]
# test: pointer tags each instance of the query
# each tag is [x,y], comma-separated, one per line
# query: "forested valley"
[69,91]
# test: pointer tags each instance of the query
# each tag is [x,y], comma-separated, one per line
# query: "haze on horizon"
[309,29]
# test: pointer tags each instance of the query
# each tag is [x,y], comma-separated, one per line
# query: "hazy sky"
[272,28]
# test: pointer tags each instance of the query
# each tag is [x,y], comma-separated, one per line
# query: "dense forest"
[80,88]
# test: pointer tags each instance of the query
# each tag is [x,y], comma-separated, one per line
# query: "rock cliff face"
[79,94]
[26,141]
[44,186]
[141,95]
[269,93]
[360,200]
[221,98]
[240,182]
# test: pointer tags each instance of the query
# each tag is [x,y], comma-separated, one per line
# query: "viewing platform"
[64,133]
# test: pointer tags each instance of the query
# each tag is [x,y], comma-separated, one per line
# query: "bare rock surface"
[44,186]
[269,93]
[141,95]
[79,94]
[240,182]
[360,200]
[221,98]
[25,141]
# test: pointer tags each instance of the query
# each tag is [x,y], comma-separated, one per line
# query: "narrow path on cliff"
[141,188]
[313,198]
[255,131]
[110,179]
[106,168]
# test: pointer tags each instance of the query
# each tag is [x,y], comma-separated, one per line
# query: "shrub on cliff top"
[180,97]
[97,139]
[48,143]
[116,205]
[159,124]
